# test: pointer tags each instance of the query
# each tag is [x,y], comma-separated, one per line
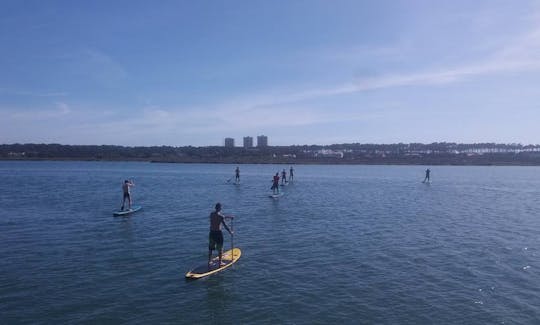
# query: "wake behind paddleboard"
[133,209]
[202,270]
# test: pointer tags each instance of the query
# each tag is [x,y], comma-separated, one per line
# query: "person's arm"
[225,225]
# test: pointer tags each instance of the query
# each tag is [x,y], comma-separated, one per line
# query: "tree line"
[353,153]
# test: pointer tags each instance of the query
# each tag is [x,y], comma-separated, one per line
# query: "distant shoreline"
[434,154]
[334,162]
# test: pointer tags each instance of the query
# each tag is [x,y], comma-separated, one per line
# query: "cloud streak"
[61,109]
[519,57]
[27,93]
[295,107]
[521,54]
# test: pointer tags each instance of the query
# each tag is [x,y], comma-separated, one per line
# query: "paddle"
[232,240]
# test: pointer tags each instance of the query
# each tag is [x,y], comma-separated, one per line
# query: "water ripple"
[345,244]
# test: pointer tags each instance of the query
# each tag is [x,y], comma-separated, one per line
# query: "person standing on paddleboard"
[283,176]
[215,237]
[291,175]
[237,173]
[275,184]
[127,195]
[426,179]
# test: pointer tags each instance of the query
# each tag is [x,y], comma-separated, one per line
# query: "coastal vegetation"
[439,153]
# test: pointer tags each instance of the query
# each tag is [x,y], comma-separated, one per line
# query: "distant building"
[229,142]
[262,141]
[327,153]
[248,142]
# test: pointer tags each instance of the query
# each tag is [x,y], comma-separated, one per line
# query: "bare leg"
[209,258]
[220,254]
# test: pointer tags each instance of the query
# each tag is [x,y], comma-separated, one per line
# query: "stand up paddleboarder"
[291,174]
[215,237]
[275,184]
[127,194]
[237,175]
[426,179]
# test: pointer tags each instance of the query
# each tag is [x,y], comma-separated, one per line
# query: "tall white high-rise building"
[248,142]
[262,141]
[229,142]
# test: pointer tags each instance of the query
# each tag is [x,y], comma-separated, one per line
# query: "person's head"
[218,207]
[277,174]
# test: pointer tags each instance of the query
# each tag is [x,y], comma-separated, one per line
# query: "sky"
[178,73]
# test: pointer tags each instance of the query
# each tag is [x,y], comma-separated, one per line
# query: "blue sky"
[300,72]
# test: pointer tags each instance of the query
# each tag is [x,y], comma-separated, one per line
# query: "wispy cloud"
[105,64]
[95,65]
[60,109]
[510,54]
[521,55]
[285,107]
[299,108]
[28,93]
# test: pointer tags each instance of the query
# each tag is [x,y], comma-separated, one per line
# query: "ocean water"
[344,245]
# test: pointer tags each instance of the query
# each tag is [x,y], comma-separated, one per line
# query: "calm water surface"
[345,244]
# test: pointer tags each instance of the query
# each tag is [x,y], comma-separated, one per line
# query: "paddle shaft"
[232,240]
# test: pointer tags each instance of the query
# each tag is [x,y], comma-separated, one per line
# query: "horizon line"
[290,145]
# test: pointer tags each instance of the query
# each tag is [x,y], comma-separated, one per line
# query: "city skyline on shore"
[181,73]
[267,145]
[355,154]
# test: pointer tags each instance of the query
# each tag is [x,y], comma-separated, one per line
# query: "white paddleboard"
[133,209]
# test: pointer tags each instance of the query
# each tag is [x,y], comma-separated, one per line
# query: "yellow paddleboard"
[226,261]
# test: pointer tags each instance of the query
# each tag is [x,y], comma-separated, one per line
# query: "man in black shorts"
[215,237]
